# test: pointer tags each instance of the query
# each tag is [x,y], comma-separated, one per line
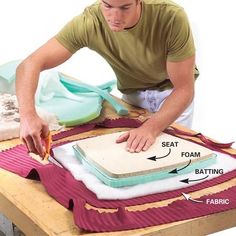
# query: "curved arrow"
[188,197]
[192,180]
[154,158]
[175,171]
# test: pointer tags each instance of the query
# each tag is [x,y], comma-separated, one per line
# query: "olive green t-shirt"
[137,55]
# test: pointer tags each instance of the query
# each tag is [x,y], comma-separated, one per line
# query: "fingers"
[32,136]
[45,131]
[138,142]
[141,145]
[148,144]
[133,142]
[34,144]
[28,141]
[38,145]
[122,138]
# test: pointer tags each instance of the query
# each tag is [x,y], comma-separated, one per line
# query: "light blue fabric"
[73,102]
[120,109]
[73,106]
[70,108]
[49,86]
[8,76]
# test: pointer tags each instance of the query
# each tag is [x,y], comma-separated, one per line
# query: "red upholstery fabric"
[73,194]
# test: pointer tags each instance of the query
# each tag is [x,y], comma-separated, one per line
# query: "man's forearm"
[172,108]
[27,75]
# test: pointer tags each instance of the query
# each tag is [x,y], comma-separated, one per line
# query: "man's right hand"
[32,131]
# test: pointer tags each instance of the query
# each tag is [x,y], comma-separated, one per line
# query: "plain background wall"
[27,24]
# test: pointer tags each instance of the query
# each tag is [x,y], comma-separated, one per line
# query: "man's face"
[121,14]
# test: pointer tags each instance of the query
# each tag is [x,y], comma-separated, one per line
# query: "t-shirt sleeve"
[73,35]
[180,43]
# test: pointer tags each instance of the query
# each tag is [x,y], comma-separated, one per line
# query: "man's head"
[121,14]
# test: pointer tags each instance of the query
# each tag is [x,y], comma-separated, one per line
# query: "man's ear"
[138,1]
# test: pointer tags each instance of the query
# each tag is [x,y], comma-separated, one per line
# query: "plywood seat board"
[105,154]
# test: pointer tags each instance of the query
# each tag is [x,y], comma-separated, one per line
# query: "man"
[150,47]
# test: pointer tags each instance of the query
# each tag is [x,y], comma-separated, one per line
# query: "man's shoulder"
[92,10]
[165,11]
[89,17]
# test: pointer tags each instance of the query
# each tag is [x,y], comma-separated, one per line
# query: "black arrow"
[175,171]
[192,180]
[154,158]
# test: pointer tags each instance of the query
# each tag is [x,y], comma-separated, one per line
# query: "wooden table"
[26,203]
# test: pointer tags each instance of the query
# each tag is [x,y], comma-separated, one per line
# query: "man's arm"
[33,128]
[181,76]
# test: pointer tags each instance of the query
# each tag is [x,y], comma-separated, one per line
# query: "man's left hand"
[139,139]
